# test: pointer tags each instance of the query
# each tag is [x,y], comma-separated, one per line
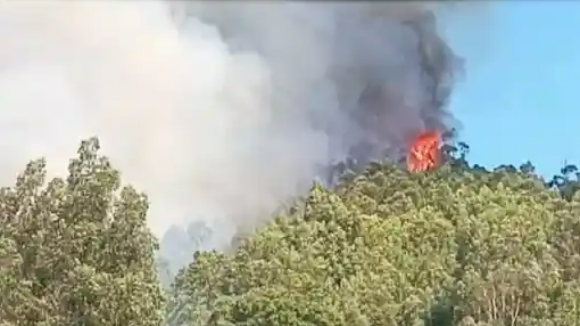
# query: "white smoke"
[180,115]
[219,124]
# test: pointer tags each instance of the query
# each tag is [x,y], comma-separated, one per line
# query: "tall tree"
[76,251]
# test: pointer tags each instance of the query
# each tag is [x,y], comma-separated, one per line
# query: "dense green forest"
[457,246]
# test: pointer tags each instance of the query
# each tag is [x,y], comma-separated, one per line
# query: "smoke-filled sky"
[520,100]
[225,114]
[220,111]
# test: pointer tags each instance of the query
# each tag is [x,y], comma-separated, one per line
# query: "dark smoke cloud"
[368,75]
[219,111]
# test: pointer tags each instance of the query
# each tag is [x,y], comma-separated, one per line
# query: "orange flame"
[423,154]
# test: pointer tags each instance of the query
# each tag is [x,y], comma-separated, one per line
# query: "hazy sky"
[520,97]
[169,133]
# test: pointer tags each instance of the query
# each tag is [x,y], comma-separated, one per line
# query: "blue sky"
[520,96]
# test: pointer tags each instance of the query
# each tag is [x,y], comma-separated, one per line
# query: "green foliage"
[460,246]
[457,246]
[76,251]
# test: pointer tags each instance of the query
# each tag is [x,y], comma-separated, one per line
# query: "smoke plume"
[218,111]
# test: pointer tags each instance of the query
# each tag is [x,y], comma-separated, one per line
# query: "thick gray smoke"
[219,111]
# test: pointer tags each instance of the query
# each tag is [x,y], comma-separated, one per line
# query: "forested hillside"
[455,246]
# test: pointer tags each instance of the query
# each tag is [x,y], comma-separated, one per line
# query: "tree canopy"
[386,247]
[458,246]
[76,251]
